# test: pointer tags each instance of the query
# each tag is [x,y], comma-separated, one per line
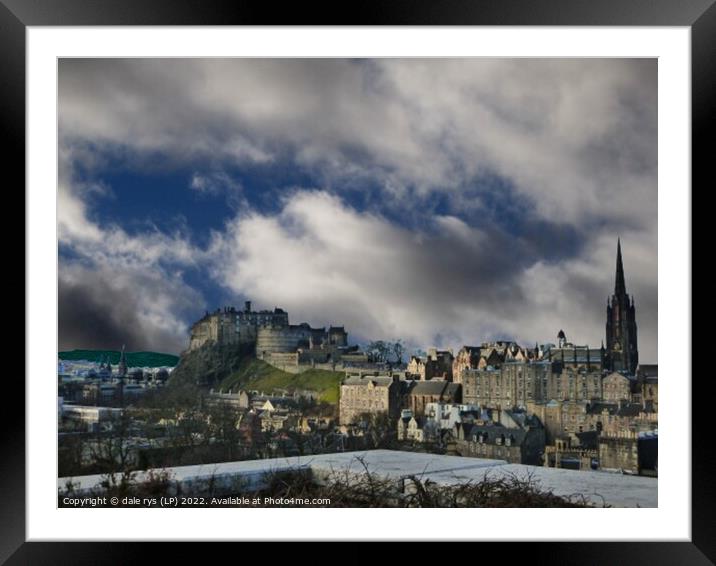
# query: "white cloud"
[327,263]
[578,136]
[576,139]
[129,280]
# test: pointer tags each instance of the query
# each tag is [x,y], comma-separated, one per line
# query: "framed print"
[304,278]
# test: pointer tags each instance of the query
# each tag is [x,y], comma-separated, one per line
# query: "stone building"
[277,420]
[562,419]
[421,393]
[229,326]
[271,335]
[572,356]
[437,364]
[290,338]
[237,400]
[571,384]
[444,416]
[617,387]
[468,357]
[518,383]
[565,419]
[647,377]
[511,436]
[411,427]
[481,386]
[416,367]
[371,394]
[513,384]
[579,452]
[613,419]
[619,453]
[622,353]
[491,355]
[337,336]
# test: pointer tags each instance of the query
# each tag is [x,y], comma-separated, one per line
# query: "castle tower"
[621,350]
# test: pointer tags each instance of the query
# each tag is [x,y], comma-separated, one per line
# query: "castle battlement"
[268,330]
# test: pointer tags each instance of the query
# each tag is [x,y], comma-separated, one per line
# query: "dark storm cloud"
[98,310]
[570,147]
[566,133]
[326,263]
[94,316]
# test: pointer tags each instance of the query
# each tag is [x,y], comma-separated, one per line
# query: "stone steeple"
[122,367]
[621,350]
[619,284]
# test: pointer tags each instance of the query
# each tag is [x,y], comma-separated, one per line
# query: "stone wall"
[619,453]
[229,326]
[288,339]
[287,361]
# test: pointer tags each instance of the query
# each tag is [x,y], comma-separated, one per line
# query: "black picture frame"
[699,15]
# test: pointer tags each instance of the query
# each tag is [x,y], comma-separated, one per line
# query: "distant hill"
[134,359]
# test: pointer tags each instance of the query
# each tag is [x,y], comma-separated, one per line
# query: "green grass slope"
[257,374]
[209,365]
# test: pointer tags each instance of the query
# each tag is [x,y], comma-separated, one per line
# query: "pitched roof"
[428,387]
[378,381]
[648,371]
[491,432]
[630,410]
[598,407]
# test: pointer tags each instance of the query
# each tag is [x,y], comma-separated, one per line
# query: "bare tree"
[379,350]
[378,430]
[113,454]
[398,350]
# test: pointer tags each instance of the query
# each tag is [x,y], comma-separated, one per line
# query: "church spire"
[619,285]
[621,344]
[122,364]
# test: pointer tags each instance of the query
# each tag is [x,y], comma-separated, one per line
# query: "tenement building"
[393,394]
[647,384]
[438,364]
[514,436]
[371,394]
[491,355]
[421,393]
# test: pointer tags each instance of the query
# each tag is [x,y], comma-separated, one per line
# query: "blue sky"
[441,201]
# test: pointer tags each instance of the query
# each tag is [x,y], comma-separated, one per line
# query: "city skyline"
[445,202]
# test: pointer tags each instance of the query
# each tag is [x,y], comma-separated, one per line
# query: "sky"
[443,202]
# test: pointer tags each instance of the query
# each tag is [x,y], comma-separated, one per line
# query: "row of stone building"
[442,364]
[513,384]
[496,418]
[520,383]
[390,394]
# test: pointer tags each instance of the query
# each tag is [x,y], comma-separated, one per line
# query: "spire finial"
[619,285]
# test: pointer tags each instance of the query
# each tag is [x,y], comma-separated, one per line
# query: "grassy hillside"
[258,375]
[209,365]
[134,359]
